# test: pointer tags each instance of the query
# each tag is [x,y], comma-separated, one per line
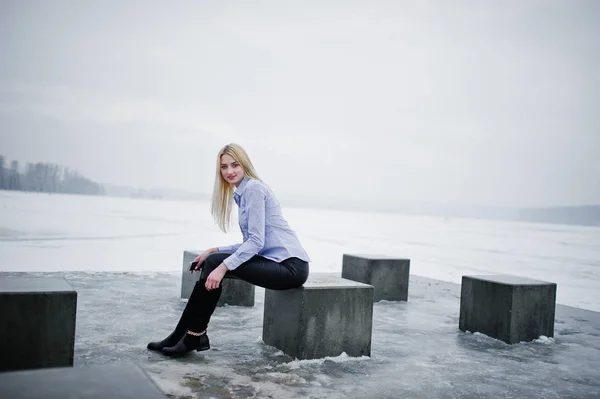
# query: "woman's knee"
[212,262]
[214,259]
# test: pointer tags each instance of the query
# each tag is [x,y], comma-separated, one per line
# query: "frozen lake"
[123,256]
[42,232]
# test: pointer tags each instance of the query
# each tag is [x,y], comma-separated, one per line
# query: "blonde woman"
[270,255]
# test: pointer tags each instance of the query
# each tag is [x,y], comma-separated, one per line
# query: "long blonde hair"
[222,197]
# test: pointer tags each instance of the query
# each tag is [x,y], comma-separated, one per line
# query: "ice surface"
[417,349]
[123,257]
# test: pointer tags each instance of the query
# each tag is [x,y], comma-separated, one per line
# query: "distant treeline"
[45,177]
[582,215]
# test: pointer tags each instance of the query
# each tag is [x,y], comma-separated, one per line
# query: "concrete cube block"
[510,308]
[325,317]
[388,276]
[37,324]
[115,381]
[235,291]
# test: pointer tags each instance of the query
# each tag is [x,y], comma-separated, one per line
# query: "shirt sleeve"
[229,248]
[255,205]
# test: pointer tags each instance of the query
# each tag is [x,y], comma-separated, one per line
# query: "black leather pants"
[263,272]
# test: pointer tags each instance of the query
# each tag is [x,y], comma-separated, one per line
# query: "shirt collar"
[240,189]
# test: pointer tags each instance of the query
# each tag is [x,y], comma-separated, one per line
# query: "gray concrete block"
[510,308]
[37,324]
[235,291]
[388,276]
[325,317]
[115,381]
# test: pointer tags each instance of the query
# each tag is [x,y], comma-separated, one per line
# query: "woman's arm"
[228,248]
[255,209]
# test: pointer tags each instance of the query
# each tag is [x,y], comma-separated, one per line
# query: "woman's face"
[231,170]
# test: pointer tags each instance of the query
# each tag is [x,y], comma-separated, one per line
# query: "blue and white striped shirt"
[264,230]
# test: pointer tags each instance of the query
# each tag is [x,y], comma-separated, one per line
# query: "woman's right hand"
[202,257]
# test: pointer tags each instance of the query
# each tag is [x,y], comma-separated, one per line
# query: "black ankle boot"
[171,340]
[187,344]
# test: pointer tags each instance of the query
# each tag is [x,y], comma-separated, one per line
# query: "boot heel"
[203,348]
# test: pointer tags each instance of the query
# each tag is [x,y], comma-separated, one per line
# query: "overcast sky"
[481,102]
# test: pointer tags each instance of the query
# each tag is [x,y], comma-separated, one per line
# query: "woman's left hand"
[215,277]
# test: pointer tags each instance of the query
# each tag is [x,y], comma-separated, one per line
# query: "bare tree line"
[45,177]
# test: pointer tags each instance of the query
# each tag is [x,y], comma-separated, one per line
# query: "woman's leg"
[200,300]
[196,315]
[291,273]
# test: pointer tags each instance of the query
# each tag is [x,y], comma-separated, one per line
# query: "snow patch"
[544,340]
[343,357]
